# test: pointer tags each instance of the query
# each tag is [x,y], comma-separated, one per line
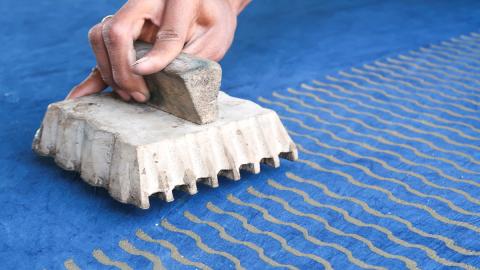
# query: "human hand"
[204,28]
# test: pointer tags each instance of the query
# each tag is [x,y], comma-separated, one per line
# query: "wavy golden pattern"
[390,235]
[404,130]
[102,258]
[176,255]
[379,138]
[70,265]
[131,249]
[224,235]
[306,234]
[283,242]
[202,246]
[368,209]
[410,264]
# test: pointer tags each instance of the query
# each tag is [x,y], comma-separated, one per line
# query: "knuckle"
[121,80]
[107,79]
[95,34]
[113,31]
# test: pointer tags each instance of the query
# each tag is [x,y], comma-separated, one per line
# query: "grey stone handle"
[187,88]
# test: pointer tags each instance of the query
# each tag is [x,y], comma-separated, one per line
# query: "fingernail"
[139,96]
[141,60]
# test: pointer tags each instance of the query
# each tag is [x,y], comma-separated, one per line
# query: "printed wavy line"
[105,260]
[407,187]
[198,241]
[428,72]
[400,80]
[396,64]
[392,197]
[377,138]
[385,165]
[375,149]
[432,254]
[452,49]
[227,237]
[455,43]
[282,241]
[476,35]
[445,60]
[438,66]
[356,112]
[356,85]
[371,98]
[364,205]
[462,43]
[458,52]
[361,104]
[469,157]
[70,265]
[176,255]
[267,216]
[386,130]
[367,126]
[398,89]
[465,43]
[472,38]
[448,55]
[131,249]
[408,262]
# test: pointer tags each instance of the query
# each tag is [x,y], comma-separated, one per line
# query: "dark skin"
[204,28]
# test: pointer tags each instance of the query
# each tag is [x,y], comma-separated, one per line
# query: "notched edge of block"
[231,174]
[272,127]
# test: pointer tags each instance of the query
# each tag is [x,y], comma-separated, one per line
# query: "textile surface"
[382,98]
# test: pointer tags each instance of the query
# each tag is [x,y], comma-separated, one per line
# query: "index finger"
[118,34]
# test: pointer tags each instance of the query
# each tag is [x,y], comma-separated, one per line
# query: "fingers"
[97,43]
[91,85]
[98,46]
[176,20]
[118,38]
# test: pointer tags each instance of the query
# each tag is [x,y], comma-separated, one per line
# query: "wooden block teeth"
[166,196]
[251,167]
[272,162]
[232,174]
[189,188]
[292,156]
[209,181]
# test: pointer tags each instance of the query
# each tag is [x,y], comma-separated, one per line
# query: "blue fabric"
[391,172]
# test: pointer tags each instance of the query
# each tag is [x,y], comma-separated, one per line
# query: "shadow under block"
[134,150]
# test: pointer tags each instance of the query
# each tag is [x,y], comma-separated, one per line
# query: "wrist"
[238,5]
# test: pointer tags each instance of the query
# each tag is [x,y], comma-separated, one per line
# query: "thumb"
[166,47]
